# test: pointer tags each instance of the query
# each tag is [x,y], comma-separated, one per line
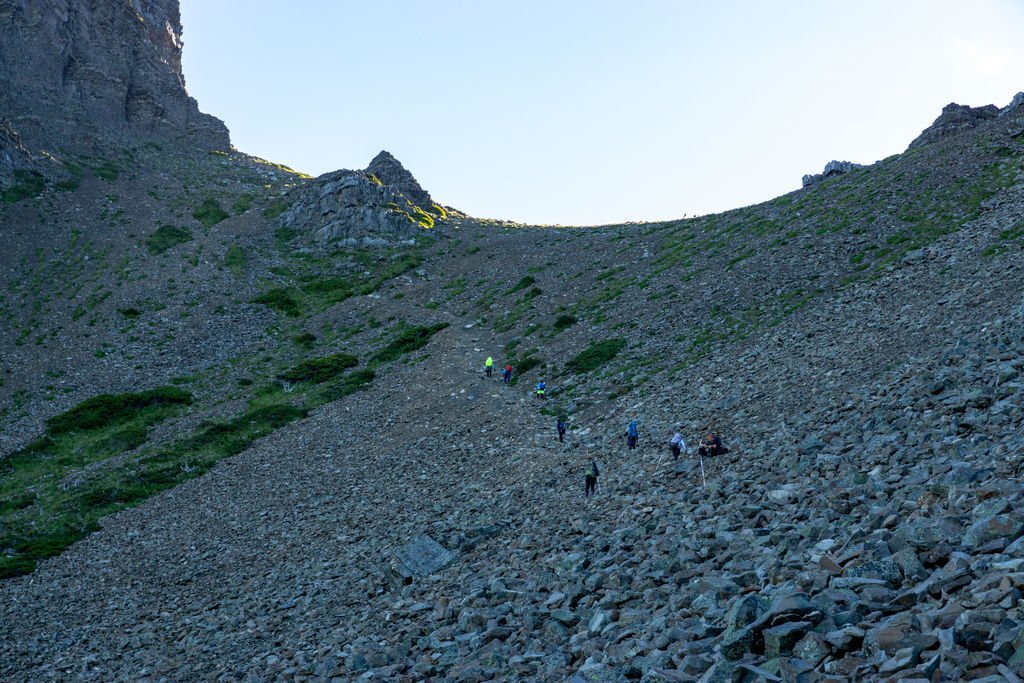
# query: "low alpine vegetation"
[409,339]
[596,355]
[167,236]
[209,213]
[318,370]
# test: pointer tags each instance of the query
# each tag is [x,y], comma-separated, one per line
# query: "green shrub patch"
[596,355]
[221,439]
[319,370]
[235,260]
[209,213]
[280,299]
[106,409]
[525,282]
[354,381]
[167,236]
[27,184]
[564,322]
[53,490]
[408,340]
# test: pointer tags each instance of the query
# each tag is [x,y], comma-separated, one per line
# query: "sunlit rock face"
[367,208]
[391,172]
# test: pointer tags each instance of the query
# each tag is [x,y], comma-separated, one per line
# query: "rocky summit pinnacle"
[82,75]
[391,172]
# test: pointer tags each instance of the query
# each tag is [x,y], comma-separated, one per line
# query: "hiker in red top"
[506,377]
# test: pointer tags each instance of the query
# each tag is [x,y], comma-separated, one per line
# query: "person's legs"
[590,484]
[675,451]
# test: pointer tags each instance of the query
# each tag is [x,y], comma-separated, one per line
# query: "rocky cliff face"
[83,74]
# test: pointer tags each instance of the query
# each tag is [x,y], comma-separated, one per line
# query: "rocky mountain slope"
[226,413]
[858,342]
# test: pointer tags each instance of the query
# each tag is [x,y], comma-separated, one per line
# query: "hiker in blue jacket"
[632,435]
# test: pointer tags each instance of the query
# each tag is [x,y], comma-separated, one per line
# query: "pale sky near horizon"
[604,111]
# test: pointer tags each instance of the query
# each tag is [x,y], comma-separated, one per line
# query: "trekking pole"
[660,460]
[703,481]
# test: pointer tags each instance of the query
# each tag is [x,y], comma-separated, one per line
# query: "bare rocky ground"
[866,525]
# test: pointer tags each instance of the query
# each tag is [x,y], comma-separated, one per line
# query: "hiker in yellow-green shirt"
[488,365]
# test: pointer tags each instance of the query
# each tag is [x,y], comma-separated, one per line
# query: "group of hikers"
[506,373]
[506,376]
[710,445]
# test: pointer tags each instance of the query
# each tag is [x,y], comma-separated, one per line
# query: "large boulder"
[422,556]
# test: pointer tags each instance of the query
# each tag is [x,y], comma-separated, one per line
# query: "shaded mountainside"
[86,78]
[858,342]
[230,395]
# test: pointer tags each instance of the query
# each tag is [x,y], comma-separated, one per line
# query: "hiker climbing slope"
[542,388]
[506,375]
[561,429]
[489,366]
[590,479]
[677,445]
[632,435]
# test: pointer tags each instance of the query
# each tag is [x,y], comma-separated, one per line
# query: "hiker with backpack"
[542,388]
[712,445]
[506,376]
[561,429]
[632,435]
[489,366]
[676,444]
[590,479]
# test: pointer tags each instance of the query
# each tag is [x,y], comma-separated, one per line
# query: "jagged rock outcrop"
[355,207]
[391,172]
[832,168]
[954,119]
[80,76]
[1017,101]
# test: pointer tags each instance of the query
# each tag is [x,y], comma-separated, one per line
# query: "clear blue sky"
[595,111]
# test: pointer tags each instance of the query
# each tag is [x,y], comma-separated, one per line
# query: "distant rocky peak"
[1017,101]
[390,171]
[955,119]
[832,168]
